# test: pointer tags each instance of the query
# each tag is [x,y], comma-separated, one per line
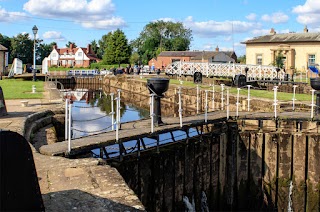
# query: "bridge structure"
[138,136]
[228,70]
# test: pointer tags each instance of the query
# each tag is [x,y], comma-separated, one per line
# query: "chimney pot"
[89,48]
[272,31]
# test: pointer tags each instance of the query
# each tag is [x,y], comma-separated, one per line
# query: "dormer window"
[79,54]
[65,53]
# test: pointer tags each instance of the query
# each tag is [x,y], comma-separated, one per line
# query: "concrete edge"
[35,121]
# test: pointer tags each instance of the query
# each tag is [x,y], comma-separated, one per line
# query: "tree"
[22,48]
[161,36]
[117,48]
[102,45]
[69,43]
[279,61]
[6,42]
[242,59]
[94,47]
[135,58]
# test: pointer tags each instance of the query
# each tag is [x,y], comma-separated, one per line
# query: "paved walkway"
[71,184]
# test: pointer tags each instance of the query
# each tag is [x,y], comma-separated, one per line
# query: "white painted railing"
[255,72]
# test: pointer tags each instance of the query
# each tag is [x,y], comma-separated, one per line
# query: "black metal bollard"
[158,86]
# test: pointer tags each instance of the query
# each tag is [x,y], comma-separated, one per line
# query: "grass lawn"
[21,89]
[253,93]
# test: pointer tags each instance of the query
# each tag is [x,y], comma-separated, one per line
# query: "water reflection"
[91,112]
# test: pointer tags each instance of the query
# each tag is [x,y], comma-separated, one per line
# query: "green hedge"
[102,66]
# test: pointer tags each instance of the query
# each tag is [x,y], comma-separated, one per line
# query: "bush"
[101,66]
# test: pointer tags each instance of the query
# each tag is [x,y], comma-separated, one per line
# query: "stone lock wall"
[237,169]
[133,90]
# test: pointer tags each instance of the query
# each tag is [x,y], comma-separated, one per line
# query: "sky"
[214,23]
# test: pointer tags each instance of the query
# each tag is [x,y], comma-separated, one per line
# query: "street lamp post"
[35,31]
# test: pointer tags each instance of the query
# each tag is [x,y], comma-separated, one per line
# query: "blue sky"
[213,22]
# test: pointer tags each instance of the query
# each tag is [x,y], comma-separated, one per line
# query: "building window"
[79,54]
[259,59]
[175,60]
[311,59]
[54,54]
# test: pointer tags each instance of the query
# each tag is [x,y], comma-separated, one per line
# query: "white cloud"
[284,31]
[112,23]
[90,14]
[311,6]
[308,14]
[259,32]
[6,16]
[251,17]
[214,28]
[276,18]
[53,35]
[165,20]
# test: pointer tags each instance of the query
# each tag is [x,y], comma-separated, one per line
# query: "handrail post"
[222,98]
[119,108]
[275,89]
[237,103]
[112,111]
[312,102]
[69,131]
[249,97]
[198,91]
[66,120]
[118,116]
[152,111]
[294,96]
[228,103]
[180,106]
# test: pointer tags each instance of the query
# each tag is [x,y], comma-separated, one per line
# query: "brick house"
[72,57]
[3,59]
[167,57]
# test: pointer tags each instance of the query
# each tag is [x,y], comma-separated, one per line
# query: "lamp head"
[34,29]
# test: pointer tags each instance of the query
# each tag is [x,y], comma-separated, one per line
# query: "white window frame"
[259,59]
[311,59]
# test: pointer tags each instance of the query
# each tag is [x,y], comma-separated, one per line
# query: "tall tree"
[6,42]
[22,48]
[69,43]
[102,45]
[94,47]
[117,49]
[162,36]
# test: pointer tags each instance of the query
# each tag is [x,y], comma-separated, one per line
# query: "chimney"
[305,30]
[217,49]
[272,31]
[54,47]
[71,46]
[89,49]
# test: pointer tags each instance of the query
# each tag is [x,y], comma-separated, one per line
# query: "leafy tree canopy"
[69,43]
[95,47]
[162,36]
[117,49]
[22,48]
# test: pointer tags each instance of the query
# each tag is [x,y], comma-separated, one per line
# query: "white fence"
[254,72]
